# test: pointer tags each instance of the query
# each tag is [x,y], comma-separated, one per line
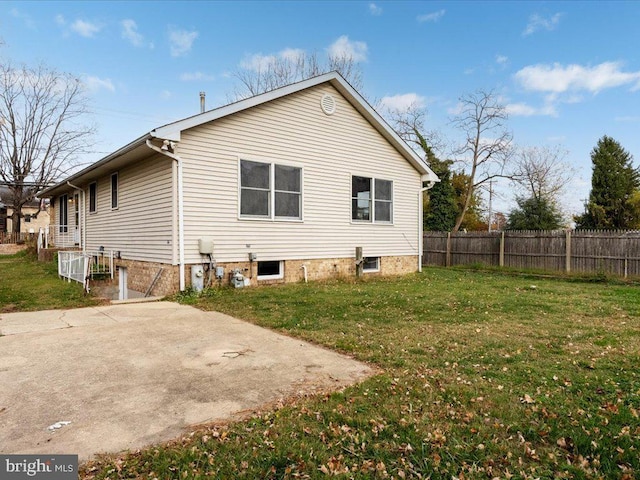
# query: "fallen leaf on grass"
[527,399]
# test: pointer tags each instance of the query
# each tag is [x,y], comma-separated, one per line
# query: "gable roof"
[138,149]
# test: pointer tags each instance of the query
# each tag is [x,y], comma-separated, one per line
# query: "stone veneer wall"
[141,274]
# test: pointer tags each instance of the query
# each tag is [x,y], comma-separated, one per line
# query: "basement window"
[270,270]
[371,264]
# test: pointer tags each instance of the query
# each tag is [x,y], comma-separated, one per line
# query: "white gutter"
[178,160]
[83,230]
[421,220]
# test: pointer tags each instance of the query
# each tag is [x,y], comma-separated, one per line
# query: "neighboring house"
[282,186]
[35,215]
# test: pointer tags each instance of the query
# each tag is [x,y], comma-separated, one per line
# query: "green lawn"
[483,376]
[26,284]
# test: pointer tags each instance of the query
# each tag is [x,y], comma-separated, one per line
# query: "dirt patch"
[8,308]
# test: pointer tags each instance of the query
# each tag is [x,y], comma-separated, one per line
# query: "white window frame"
[117,177]
[95,194]
[278,276]
[271,216]
[371,270]
[372,200]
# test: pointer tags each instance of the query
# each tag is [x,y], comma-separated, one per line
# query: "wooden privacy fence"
[588,251]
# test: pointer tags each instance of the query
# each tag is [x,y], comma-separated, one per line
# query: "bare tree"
[540,172]
[486,148]
[41,131]
[277,71]
[409,125]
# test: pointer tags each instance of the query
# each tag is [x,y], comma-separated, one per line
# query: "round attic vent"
[328,104]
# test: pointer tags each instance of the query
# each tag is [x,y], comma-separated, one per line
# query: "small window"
[270,270]
[361,198]
[288,191]
[371,200]
[255,186]
[93,188]
[270,190]
[114,190]
[384,201]
[371,264]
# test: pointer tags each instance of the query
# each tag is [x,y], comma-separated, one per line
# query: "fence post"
[568,251]
[448,257]
[502,249]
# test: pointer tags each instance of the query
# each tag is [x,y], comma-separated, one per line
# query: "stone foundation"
[141,274]
[317,269]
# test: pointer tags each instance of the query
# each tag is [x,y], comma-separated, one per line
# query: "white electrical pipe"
[304,269]
[178,160]
[421,221]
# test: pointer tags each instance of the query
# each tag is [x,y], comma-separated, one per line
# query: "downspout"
[178,160]
[421,221]
[83,227]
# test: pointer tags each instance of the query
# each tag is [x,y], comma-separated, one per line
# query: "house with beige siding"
[280,187]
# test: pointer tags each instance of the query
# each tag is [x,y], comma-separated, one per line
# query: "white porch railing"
[83,266]
[62,236]
[74,266]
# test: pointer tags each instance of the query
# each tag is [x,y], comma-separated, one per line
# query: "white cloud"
[524,110]
[345,48]
[375,9]
[557,79]
[181,41]
[502,59]
[431,17]
[402,101]
[292,54]
[94,83]
[85,28]
[165,94]
[196,76]
[258,62]
[130,32]
[28,21]
[60,20]
[538,22]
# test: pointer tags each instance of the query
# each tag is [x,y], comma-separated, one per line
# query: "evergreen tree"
[440,214]
[535,214]
[614,184]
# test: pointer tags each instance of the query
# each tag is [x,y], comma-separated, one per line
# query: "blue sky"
[568,72]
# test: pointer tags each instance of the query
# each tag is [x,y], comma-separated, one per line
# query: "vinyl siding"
[141,228]
[293,130]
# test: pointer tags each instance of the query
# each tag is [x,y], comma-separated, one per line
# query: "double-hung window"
[371,200]
[271,191]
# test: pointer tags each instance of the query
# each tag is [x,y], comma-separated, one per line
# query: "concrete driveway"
[126,376]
